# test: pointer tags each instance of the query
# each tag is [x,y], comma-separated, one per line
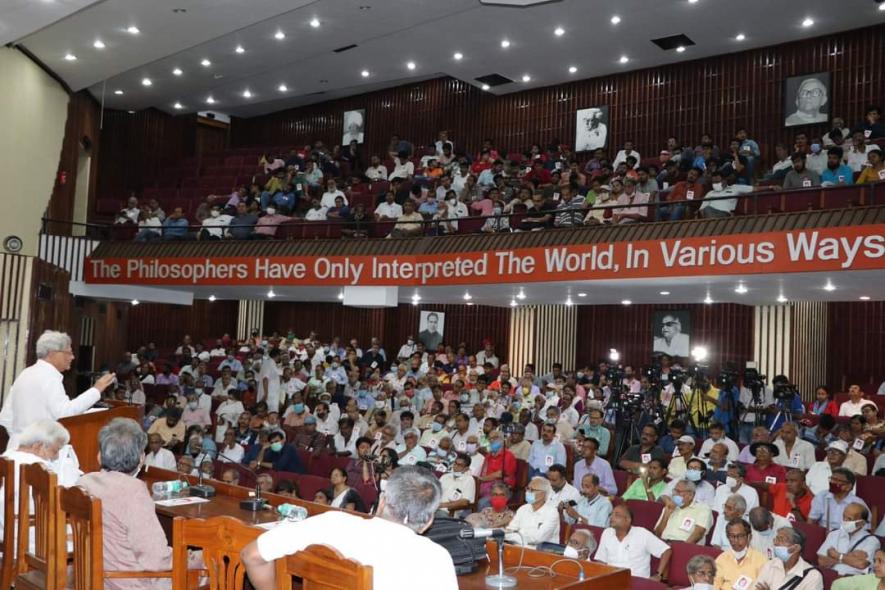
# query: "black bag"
[446,531]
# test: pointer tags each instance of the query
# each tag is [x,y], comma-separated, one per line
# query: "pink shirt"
[635,205]
[267,224]
[485,207]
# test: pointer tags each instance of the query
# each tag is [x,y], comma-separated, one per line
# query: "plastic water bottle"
[168,488]
[292,512]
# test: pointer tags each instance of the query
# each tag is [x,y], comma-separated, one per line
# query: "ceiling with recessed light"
[243,53]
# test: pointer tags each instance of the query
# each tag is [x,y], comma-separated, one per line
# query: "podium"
[84,430]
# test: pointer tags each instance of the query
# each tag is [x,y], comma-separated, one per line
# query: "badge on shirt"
[441,467]
[794,461]
[378,435]
[665,185]
[548,460]
[687,525]
[742,583]
[769,553]
[558,165]
[858,444]
[841,178]
[867,133]
[462,446]
[882,174]
[689,195]
[456,495]
[298,186]
[433,443]
[645,457]
[791,517]
[374,364]
[770,479]
[806,183]
[555,196]
[411,459]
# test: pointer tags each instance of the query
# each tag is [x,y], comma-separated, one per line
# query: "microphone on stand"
[202,490]
[255,503]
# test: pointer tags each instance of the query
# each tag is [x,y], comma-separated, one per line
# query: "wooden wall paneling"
[856,334]
[715,95]
[212,137]
[165,324]
[808,363]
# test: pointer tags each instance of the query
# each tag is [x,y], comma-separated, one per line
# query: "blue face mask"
[276,447]
[442,452]
[299,408]
[436,427]
[678,500]
[693,475]
[782,553]
[495,446]
[530,497]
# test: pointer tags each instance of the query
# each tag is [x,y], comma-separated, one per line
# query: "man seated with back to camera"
[391,542]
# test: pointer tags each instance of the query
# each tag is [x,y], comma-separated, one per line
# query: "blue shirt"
[602,435]
[176,228]
[754,147]
[540,452]
[832,176]
[828,511]
[427,208]
[602,469]
[597,511]
[235,365]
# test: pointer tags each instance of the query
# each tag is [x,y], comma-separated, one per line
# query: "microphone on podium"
[482,533]
[255,503]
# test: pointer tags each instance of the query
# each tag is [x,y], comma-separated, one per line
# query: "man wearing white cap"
[818,477]
[683,454]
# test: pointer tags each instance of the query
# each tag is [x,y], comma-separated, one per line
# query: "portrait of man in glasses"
[807,99]
[671,333]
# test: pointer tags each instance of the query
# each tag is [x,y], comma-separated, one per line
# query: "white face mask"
[215,213]
[730,481]
[717,186]
[271,211]
[850,526]
[739,554]
[570,552]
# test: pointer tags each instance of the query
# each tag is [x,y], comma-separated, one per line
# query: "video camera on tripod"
[782,389]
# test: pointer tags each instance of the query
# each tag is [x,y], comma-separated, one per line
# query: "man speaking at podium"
[38,392]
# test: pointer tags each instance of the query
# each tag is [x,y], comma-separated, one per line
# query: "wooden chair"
[83,513]
[43,568]
[323,568]
[7,482]
[221,538]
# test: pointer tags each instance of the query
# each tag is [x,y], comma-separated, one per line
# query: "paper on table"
[181,501]
[269,525]
[93,410]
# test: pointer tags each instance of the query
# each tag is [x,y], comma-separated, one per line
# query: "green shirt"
[590,198]
[601,434]
[864,582]
[636,491]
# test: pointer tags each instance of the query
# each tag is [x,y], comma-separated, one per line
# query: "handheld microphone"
[482,533]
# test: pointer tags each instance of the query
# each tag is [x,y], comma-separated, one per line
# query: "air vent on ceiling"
[345,48]
[673,41]
[494,80]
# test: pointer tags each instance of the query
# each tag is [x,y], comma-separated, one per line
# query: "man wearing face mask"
[827,507]
[458,487]
[277,455]
[738,567]
[787,565]
[580,545]
[684,519]
[701,570]
[765,524]
[685,452]
[215,225]
[432,436]
[850,549]
[477,460]
[631,547]
[735,484]
[704,492]
[407,349]
[536,521]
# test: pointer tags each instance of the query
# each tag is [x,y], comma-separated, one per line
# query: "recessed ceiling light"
[177,72]
[411,65]
[135,302]
[70,57]
[616,19]
[781,298]
[680,49]
[559,31]
[526,78]
[740,289]
[864,297]
[569,301]
[283,88]
[708,300]
[829,286]
[315,23]
[341,295]
[118,92]
[458,56]
[665,293]
[582,294]
[205,63]
[240,49]
[469,303]
[624,59]
[505,43]
[178,106]
[247,94]
[513,303]
[271,294]
[692,1]
[572,70]
[740,37]
[808,22]
[486,87]
[99,44]
[279,35]
[146,82]
[882,6]
[467,296]
[133,30]
[210,100]
[131,112]
[364,73]
[212,297]
[626,302]
[521,294]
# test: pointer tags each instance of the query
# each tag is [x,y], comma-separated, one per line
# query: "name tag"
[770,479]
[548,460]
[462,446]
[882,174]
[456,496]
[433,443]
[858,444]
[558,165]
[555,196]
[794,461]
[666,185]
[411,459]
[842,177]
[689,195]
[646,457]
[441,468]
[687,525]
[298,186]
[374,365]
[791,517]
[867,133]
[806,183]
[742,583]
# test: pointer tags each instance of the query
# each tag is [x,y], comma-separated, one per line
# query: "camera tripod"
[679,408]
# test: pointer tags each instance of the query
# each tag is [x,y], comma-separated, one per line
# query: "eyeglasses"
[735,537]
[815,93]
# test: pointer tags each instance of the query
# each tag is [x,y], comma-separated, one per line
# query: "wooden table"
[227,503]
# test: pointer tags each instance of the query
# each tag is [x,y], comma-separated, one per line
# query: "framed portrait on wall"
[672,333]
[354,127]
[431,328]
[807,99]
[591,129]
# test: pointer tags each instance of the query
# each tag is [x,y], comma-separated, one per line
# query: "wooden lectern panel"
[84,431]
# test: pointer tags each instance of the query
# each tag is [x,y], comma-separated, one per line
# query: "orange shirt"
[781,505]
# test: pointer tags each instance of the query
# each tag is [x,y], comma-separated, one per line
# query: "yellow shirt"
[870,174]
[729,571]
[683,520]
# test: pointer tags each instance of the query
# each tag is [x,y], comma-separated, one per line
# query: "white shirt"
[856,159]
[849,408]
[534,526]
[818,477]
[733,450]
[462,487]
[378,172]
[328,200]
[349,446]
[38,394]
[860,540]
[633,553]
[234,455]
[214,226]
[566,494]
[316,214]
[271,372]
[403,169]
[764,544]
[622,157]
[727,205]
[801,455]
[329,424]
[389,210]
[369,541]
[748,492]
[164,459]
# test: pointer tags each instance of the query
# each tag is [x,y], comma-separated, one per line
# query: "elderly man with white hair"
[38,392]
[536,521]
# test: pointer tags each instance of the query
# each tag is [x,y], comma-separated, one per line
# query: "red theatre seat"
[815,536]
[677,577]
[645,513]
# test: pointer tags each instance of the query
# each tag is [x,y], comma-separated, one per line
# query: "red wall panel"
[714,95]
[165,324]
[856,351]
[725,329]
